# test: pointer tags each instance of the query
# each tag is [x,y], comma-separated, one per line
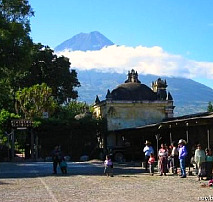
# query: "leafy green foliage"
[16,44]
[76,137]
[16,11]
[35,100]
[5,123]
[23,64]
[6,98]
[55,72]
[15,40]
[72,109]
[35,80]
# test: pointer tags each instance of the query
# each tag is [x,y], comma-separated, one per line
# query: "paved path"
[86,182]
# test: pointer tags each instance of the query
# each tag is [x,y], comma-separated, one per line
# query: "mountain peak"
[85,41]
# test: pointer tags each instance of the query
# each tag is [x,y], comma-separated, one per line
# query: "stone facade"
[133,104]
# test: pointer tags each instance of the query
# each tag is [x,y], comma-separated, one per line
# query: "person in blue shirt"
[182,157]
[148,149]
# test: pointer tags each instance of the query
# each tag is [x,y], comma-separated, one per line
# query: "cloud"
[145,60]
[210,24]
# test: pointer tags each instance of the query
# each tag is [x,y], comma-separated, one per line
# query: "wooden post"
[105,142]
[12,145]
[170,133]
[32,144]
[36,147]
[187,133]
[187,140]
[157,139]
[208,137]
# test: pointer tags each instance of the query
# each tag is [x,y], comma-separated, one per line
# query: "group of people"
[59,160]
[170,157]
[203,162]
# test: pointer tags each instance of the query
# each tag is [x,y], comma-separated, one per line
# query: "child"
[108,170]
[63,166]
[151,162]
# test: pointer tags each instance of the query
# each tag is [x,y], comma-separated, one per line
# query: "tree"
[15,40]
[35,100]
[23,64]
[54,71]
[16,44]
[210,107]
[73,108]
[6,99]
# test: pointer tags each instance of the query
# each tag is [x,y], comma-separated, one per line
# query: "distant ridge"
[85,41]
[189,96]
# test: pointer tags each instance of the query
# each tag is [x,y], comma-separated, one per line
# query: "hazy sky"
[165,37]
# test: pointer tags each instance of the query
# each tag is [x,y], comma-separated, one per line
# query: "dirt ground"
[86,182]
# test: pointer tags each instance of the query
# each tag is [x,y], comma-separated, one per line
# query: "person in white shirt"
[148,149]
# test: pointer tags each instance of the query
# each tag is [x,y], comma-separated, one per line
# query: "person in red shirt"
[151,162]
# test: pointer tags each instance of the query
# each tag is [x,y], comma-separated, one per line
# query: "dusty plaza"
[34,181]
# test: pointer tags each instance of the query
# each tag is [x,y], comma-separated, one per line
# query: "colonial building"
[133,104]
[135,113]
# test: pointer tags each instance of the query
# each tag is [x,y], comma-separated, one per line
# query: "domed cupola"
[133,104]
[132,77]
[133,90]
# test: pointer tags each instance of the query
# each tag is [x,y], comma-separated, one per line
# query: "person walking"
[148,149]
[56,157]
[182,157]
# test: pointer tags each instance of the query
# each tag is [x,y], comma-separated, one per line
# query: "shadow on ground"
[44,169]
